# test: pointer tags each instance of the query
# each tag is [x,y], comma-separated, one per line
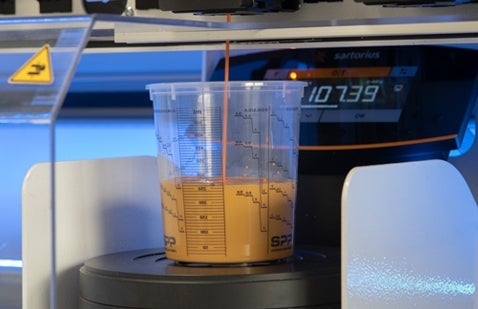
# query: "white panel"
[409,238]
[102,206]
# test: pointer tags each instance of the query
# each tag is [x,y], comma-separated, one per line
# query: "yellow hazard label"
[37,70]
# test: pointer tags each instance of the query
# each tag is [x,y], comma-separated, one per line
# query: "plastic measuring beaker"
[227,160]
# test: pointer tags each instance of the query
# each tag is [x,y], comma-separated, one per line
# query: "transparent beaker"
[227,160]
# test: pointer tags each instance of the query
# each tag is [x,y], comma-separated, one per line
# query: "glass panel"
[38,57]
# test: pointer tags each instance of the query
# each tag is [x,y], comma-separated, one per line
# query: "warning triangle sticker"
[37,70]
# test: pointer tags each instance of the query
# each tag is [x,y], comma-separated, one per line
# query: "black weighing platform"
[147,279]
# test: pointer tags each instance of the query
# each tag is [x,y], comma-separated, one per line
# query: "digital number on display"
[361,93]
[331,95]
[355,87]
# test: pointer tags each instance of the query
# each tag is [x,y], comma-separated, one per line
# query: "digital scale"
[362,106]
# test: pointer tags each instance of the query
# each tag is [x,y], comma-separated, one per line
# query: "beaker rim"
[231,86]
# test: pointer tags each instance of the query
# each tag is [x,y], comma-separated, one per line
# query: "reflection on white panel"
[409,238]
[391,280]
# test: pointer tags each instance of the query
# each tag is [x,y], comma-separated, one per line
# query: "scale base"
[147,279]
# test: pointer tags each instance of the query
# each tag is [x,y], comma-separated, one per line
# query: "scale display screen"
[372,105]
[354,87]
[360,93]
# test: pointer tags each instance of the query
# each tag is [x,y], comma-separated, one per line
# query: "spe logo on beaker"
[281,240]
